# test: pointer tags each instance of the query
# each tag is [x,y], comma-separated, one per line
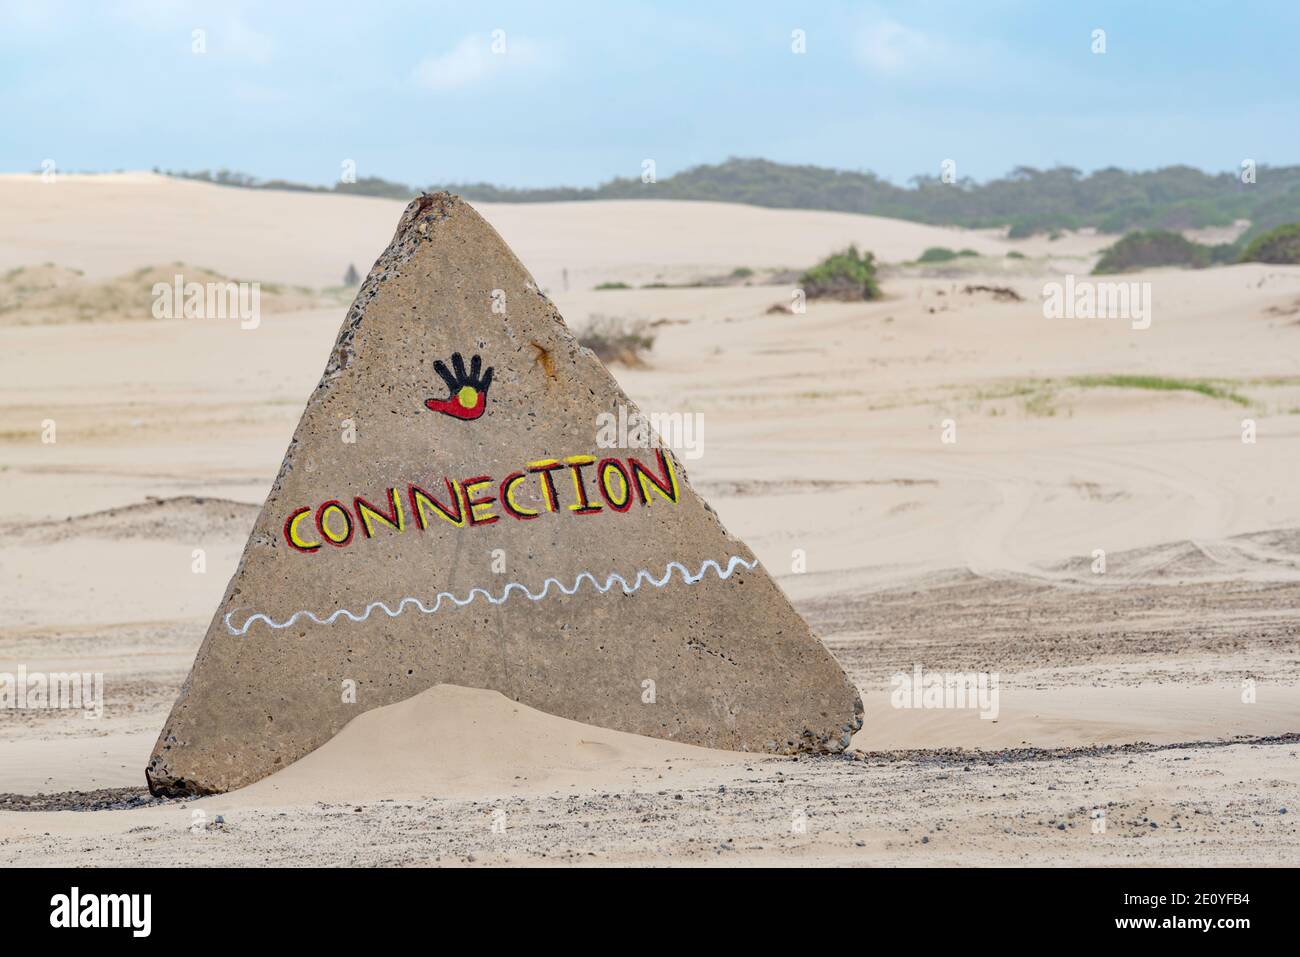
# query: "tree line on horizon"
[1027,200]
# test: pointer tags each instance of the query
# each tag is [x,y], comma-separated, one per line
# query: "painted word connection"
[575,484]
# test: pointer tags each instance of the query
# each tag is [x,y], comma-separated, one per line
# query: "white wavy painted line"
[642,577]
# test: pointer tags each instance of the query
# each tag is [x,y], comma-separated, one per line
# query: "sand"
[823,434]
[313,238]
[540,791]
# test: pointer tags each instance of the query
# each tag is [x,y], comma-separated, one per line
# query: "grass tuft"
[1205,387]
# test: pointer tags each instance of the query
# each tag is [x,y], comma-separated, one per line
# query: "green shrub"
[1152,247]
[1015,254]
[847,275]
[1221,253]
[1280,246]
[1033,224]
[613,285]
[937,254]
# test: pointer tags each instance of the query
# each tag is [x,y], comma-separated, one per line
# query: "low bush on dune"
[848,276]
[1152,247]
[1280,246]
[942,254]
[615,339]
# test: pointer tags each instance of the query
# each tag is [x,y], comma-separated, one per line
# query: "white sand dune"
[130,220]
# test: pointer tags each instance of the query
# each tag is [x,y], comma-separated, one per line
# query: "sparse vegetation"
[37,295]
[1015,254]
[737,277]
[612,285]
[615,339]
[1040,403]
[1161,383]
[1047,397]
[848,275]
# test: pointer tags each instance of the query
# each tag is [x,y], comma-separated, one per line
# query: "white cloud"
[229,32]
[474,59]
[888,46]
[241,40]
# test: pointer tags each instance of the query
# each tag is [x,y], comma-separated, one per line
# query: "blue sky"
[584,92]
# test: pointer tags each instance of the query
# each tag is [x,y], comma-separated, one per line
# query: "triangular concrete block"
[445,514]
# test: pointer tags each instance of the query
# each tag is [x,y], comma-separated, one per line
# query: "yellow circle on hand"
[467,396]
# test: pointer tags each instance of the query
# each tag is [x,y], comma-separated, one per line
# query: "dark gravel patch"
[944,757]
[104,799]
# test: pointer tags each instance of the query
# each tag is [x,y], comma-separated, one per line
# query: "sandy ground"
[1164,692]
